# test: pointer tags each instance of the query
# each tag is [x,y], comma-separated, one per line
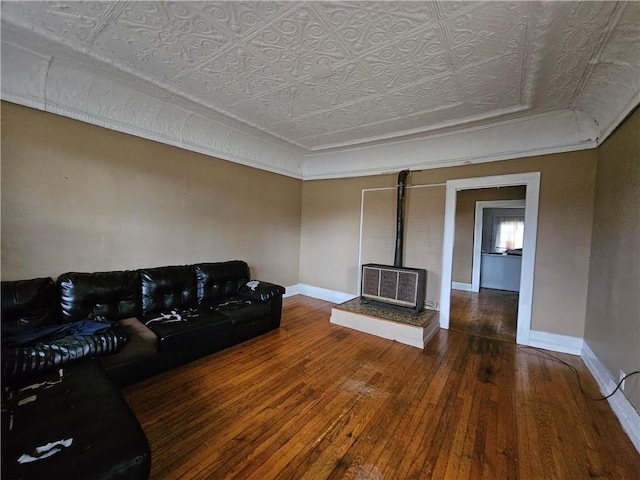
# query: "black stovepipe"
[398,260]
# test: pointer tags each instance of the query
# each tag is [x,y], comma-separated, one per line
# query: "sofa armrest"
[263,291]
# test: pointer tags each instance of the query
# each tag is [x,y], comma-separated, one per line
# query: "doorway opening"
[531,183]
[488,251]
[489,313]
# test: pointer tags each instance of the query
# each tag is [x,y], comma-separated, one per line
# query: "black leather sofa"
[162,317]
[156,319]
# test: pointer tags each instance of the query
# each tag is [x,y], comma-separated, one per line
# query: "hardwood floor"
[314,400]
[489,313]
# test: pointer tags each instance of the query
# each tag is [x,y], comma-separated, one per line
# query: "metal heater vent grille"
[407,287]
[394,285]
[371,281]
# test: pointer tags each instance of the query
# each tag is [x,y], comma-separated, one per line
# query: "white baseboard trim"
[292,290]
[318,292]
[621,406]
[466,287]
[556,342]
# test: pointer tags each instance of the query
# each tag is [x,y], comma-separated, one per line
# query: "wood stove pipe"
[399,253]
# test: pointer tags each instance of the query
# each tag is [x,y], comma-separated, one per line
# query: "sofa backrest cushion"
[165,288]
[29,304]
[216,280]
[114,295]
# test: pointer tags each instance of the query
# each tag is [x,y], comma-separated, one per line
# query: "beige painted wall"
[465,225]
[613,304]
[76,197]
[424,221]
[79,197]
[331,230]
[331,220]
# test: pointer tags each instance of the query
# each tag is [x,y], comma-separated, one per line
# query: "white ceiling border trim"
[78,92]
[555,133]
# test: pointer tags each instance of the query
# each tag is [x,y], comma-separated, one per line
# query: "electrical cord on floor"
[595,399]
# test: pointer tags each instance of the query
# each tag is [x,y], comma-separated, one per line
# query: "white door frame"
[532,181]
[477,234]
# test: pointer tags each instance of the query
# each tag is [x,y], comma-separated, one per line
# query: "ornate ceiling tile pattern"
[351,82]
[573,52]
[614,74]
[492,31]
[297,42]
[402,62]
[72,21]
[255,60]
[232,74]
[161,38]
[319,75]
[366,25]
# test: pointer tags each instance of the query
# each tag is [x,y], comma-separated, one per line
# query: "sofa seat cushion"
[240,310]
[142,342]
[186,327]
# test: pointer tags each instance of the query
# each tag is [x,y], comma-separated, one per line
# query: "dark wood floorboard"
[488,313]
[314,400]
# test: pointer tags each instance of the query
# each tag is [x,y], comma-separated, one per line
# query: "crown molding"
[77,91]
[554,133]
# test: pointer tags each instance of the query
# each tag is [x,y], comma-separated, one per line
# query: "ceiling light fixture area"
[320,71]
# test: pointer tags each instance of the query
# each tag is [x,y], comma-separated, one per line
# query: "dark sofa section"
[162,317]
[156,319]
[172,315]
[35,338]
[167,288]
[80,417]
[114,295]
[29,304]
[220,280]
[117,295]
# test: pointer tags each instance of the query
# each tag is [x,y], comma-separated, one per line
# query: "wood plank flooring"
[314,400]
[488,313]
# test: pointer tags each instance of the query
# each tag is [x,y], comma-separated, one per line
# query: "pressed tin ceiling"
[303,83]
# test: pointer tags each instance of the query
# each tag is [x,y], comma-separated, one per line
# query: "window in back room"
[508,233]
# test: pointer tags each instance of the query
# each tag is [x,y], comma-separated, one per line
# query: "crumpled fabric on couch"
[43,356]
[49,333]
